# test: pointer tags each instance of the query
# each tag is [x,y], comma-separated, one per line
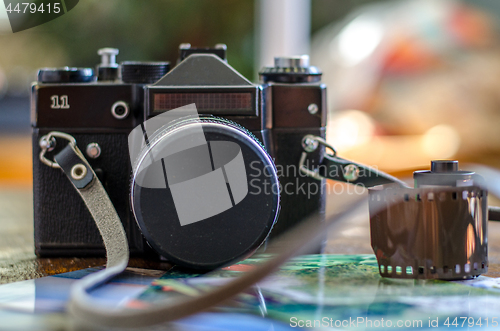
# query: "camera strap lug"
[339,169]
[48,142]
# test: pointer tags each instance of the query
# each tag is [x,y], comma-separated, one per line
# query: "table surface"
[18,261]
[17,258]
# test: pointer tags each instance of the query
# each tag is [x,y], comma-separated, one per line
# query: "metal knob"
[221,46]
[444,165]
[65,75]
[108,56]
[185,46]
[301,61]
[143,72]
[93,150]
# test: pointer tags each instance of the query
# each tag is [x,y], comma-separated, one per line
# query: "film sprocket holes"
[161,196]
[437,230]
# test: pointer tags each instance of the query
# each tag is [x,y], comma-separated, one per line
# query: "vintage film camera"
[268,121]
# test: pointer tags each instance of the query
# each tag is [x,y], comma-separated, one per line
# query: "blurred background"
[408,81]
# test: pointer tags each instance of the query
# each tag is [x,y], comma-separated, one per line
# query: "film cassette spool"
[429,233]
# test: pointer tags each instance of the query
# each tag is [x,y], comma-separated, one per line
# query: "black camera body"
[100,110]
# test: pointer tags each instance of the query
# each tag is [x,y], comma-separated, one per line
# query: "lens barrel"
[204,192]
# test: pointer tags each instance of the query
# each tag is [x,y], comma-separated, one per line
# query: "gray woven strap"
[104,214]
[97,201]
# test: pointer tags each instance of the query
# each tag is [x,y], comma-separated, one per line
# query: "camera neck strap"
[85,309]
[299,240]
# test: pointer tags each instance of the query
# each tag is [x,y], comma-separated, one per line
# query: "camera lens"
[204,192]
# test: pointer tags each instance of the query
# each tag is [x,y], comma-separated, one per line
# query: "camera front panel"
[296,110]
[91,106]
[63,224]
